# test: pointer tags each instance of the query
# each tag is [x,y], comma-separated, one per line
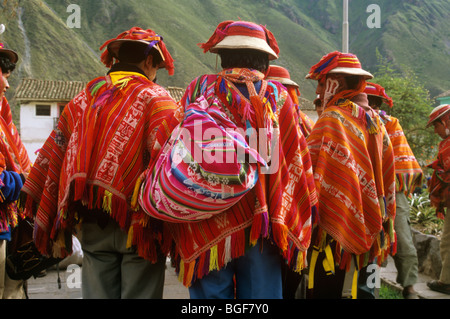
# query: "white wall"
[34,130]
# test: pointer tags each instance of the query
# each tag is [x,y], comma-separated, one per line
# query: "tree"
[412,106]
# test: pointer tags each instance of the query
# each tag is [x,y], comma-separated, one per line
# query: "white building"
[41,103]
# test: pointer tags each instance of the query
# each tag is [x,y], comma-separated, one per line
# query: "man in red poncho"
[86,172]
[408,175]
[440,191]
[353,161]
[14,163]
[238,252]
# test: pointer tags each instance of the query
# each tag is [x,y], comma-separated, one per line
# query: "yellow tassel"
[314,256]
[181,273]
[134,197]
[213,259]
[107,200]
[130,237]
[355,285]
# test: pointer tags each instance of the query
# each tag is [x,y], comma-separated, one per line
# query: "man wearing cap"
[14,167]
[408,175]
[238,252]
[281,74]
[354,173]
[439,187]
[86,172]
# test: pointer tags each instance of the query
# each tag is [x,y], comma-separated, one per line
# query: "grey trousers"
[445,250]
[405,260]
[111,271]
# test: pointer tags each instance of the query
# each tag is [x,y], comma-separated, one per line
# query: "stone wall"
[428,254]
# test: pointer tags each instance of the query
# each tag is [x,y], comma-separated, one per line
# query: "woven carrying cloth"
[105,138]
[280,205]
[354,173]
[199,172]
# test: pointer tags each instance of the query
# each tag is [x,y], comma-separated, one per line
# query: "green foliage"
[387,292]
[423,216]
[412,106]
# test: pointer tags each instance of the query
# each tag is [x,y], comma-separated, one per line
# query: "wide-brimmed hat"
[338,63]
[242,35]
[10,54]
[136,34]
[438,113]
[280,74]
[374,89]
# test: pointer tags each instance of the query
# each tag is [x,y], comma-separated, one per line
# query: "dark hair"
[375,101]
[134,53]
[244,58]
[352,81]
[6,65]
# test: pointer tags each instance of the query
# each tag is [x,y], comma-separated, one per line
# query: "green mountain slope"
[413,33]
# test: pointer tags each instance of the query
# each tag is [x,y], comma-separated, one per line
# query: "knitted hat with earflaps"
[148,37]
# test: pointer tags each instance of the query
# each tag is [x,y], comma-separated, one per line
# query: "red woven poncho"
[103,142]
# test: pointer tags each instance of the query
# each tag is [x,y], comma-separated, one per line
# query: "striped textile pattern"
[355,182]
[408,172]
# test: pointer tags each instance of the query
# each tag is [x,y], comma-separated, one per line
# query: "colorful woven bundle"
[439,183]
[204,169]
[285,216]
[356,195]
[101,146]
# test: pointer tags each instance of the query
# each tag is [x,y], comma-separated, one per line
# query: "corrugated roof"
[175,92]
[46,90]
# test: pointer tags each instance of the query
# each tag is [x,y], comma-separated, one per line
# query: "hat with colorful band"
[337,62]
[441,112]
[377,90]
[148,37]
[242,35]
[280,74]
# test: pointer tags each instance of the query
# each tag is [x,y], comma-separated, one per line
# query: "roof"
[306,105]
[45,90]
[175,92]
[445,94]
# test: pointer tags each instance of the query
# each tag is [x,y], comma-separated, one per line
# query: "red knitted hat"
[337,62]
[440,112]
[242,35]
[148,37]
[280,74]
[377,90]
